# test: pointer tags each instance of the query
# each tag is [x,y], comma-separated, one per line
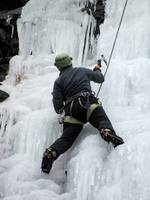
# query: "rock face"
[3,95]
[98,11]
[9,13]
[11,4]
[8,40]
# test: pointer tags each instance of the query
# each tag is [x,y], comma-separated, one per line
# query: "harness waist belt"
[77,96]
[69,100]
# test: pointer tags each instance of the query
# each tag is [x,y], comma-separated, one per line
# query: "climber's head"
[63,61]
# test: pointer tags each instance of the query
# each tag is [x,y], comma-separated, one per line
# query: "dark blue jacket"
[72,81]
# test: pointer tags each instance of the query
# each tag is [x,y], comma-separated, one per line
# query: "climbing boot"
[109,136]
[48,158]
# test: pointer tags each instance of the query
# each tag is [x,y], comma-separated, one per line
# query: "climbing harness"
[72,120]
[71,99]
[88,106]
[114,43]
[90,110]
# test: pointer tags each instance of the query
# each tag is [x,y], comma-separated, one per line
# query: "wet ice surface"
[94,169]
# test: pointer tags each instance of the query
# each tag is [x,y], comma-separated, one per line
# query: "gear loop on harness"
[87,104]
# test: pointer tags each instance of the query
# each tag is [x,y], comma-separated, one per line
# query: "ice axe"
[104,59]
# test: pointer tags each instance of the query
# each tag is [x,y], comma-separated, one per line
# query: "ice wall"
[122,175]
[134,33]
[127,78]
[48,27]
[29,124]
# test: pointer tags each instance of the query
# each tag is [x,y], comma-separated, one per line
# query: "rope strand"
[114,43]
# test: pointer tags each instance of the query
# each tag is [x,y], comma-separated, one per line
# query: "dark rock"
[98,12]
[15,12]
[3,95]
[11,4]
[10,10]
[5,60]
[2,78]
[4,68]
[9,44]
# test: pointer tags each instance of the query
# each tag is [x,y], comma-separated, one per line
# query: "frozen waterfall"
[28,121]
[55,27]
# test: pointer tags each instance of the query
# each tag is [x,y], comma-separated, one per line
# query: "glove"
[98,65]
[48,158]
[99,62]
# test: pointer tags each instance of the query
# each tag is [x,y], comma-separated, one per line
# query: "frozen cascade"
[55,27]
[29,124]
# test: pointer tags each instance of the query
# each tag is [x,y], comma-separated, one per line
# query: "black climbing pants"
[98,119]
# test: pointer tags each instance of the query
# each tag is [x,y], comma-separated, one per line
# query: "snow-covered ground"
[29,124]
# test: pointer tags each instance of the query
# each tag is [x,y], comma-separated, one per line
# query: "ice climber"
[72,95]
